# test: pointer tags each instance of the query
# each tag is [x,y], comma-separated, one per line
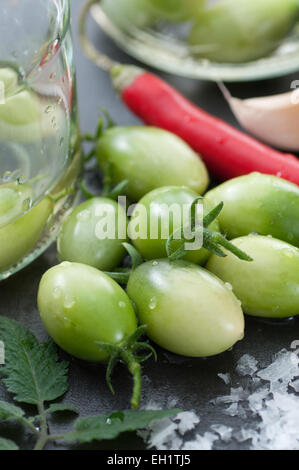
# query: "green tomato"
[176,10]
[258,203]
[24,115]
[79,305]
[129,12]
[243,30]
[269,285]
[84,236]
[166,209]
[187,310]
[18,237]
[150,158]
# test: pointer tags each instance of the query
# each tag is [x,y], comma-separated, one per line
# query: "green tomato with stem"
[149,158]
[91,317]
[187,310]
[20,226]
[161,212]
[176,10]
[93,234]
[243,30]
[258,203]
[269,285]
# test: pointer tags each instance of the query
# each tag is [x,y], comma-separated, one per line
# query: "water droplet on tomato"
[84,215]
[67,322]
[57,292]
[69,302]
[65,264]
[153,303]
[289,253]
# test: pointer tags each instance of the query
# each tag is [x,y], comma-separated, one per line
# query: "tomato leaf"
[7,444]
[31,371]
[62,407]
[110,426]
[9,412]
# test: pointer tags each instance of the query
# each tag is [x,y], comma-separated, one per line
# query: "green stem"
[43,433]
[221,240]
[57,437]
[120,277]
[135,369]
[29,425]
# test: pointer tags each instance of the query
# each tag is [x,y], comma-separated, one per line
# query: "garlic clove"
[273,119]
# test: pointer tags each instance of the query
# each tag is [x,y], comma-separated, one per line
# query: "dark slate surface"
[193,382]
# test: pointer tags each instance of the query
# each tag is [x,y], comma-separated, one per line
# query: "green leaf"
[111,426]
[7,444]
[60,407]
[10,412]
[135,256]
[32,371]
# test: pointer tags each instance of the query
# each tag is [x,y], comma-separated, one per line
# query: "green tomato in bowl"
[20,233]
[128,13]
[187,310]
[243,30]
[149,158]
[269,285]
[158,214]
[176,10]
[80,240]
[79,305]
[259,203]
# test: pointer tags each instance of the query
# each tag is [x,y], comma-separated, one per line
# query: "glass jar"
[40,159]
[229,40]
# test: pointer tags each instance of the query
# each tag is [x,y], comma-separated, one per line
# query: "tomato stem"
[135,369]
[126,352]
[211,240]
[121,277]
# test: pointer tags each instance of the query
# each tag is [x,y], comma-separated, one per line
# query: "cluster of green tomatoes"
[190,303]
[222,30]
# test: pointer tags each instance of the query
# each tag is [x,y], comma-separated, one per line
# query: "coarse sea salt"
[269,397]
[247,365]
[225,377]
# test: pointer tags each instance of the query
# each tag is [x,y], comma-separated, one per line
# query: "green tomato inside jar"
[40,159]
[19,234]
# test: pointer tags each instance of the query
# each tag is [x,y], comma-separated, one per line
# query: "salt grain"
[225,377]
[247,365]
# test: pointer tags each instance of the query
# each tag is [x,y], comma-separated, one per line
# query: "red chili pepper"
[227,152]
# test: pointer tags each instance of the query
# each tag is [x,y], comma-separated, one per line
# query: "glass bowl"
[164,47]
